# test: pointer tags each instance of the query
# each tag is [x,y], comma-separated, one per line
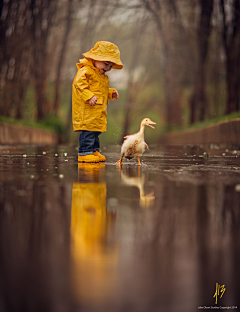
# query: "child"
[90,94]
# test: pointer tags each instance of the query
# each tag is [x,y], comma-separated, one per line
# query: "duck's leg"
[120,161]
[139,162]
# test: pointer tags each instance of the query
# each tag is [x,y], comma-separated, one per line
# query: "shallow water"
[101,237]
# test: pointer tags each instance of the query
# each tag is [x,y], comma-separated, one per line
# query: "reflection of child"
[94,256]
[90,94]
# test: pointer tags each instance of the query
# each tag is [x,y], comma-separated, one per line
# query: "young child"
[90,94]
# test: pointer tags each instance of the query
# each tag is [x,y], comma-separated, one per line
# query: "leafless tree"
[155,7]
[14,59]
[198,103]
[231,40]
[60,64]
[43,12]
[132,86]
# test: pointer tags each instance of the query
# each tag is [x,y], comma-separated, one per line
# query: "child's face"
[103,66]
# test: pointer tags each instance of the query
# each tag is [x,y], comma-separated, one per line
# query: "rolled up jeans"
[88,142]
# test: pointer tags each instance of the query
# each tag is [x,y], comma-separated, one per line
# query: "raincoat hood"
[105,51]
[83,62]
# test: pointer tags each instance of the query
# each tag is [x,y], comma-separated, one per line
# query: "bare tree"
[60,63]
[43,12]
[6,29]
[14,60]
[231,41]
[22,50]
[198,103]
[97,14]
[132,86]
[155,7]
[4,11]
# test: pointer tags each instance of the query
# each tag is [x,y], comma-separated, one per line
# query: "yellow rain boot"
[101,157]
[88,159]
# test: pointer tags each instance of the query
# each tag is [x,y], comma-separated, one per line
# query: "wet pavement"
[102,238]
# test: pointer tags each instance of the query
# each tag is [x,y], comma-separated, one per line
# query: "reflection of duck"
[94,259]
[134,145]
[146,200]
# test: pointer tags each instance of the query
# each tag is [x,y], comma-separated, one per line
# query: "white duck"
[134,145]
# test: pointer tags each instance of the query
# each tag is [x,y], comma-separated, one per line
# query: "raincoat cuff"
[87,95]
[110,92]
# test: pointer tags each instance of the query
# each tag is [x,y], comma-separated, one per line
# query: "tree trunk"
[131,88]
[198,102]
[5,55]
[7,95]
[40,78]
[170,83]
[232,85]
[231,40]
[128,108]
[42,14]
[66,33]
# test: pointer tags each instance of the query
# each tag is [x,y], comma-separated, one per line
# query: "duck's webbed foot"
[120,161]
[139,162]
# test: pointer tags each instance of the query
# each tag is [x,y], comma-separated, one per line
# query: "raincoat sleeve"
[81,83]
[110,92]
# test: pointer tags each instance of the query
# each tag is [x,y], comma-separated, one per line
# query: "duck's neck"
[141,131]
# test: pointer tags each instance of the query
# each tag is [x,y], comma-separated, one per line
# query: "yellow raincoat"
[94,259]
[89,82]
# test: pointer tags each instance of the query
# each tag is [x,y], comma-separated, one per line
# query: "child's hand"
[93,100]
[115,94]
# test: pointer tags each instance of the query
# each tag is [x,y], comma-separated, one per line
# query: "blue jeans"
[88,142]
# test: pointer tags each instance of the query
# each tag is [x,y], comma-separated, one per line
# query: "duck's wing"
[146,145]
[130,135]
[132,150]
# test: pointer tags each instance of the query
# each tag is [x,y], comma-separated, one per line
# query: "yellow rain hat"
[105,51]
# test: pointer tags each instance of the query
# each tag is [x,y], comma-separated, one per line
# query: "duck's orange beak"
[151,124]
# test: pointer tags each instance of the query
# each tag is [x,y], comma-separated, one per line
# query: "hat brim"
[117,63]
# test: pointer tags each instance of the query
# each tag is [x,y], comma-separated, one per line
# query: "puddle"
[100,237]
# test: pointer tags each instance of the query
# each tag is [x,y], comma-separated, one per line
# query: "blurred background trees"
[181,60]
